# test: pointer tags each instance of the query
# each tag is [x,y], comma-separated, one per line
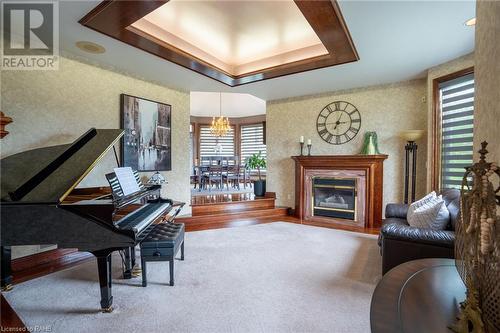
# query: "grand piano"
[41,204]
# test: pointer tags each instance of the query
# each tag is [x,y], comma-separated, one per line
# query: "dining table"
[199,170]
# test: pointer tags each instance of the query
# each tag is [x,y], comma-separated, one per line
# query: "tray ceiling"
[236,37]
[233,42]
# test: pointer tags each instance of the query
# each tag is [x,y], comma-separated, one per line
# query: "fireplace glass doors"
[334,197]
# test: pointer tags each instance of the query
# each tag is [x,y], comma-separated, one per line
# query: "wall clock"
[339,122]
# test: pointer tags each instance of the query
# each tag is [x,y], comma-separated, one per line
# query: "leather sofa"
[399,242]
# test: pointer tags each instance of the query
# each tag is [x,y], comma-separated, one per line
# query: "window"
[211,145]
[252,141]
[191,147]
[456,106]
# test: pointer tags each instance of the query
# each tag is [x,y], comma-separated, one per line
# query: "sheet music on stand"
[127,180]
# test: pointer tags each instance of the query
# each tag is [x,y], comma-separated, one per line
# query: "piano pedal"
[107,310]
[7,287]
[136,272]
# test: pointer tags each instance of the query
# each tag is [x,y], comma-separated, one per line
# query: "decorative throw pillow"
[417,204]
[426,198]
[429,212]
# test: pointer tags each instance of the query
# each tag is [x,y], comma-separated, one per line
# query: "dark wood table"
[417,296]
[199,170]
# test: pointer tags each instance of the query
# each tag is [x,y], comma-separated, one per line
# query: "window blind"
[211,145]
[457,116]
[252,141]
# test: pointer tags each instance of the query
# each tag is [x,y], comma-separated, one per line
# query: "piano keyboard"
[143,217]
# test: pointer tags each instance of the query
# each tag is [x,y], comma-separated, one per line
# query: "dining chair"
[232,160]
[245,176]
[213,176]
[232,175]
[217,160]
[206,160]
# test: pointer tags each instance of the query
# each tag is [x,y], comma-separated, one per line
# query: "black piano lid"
[48,175]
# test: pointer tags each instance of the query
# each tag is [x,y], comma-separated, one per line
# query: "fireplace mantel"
[370,166]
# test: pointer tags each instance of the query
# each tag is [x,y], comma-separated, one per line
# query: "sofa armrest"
[406,233]
[396,210]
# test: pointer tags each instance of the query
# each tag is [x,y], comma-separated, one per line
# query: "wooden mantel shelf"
[371,166]
[335,159]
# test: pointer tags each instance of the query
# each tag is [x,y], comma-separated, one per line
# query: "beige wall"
[487,101]
[434,73]
[55,107]
[386,109]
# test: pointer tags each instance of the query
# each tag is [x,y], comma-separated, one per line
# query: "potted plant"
[256,162]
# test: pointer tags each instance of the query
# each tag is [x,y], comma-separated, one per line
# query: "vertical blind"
[457,115]
[252,141]
[211,145]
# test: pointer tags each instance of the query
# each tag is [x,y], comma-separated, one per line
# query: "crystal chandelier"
[220,126]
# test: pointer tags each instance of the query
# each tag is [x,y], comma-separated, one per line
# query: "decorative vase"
[370,144]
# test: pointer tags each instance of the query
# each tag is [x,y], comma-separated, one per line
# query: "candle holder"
[301,148]
[309,149]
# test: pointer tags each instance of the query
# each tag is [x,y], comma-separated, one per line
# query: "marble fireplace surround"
[367,169]
[359,175]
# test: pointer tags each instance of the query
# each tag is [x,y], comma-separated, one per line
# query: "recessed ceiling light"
[470,22]
[90,47]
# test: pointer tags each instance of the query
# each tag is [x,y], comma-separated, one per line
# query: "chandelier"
[220,125]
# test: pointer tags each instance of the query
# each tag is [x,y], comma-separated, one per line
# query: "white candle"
[301,140]
[308,141]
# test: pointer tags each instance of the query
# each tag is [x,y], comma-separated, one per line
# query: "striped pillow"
[429,212]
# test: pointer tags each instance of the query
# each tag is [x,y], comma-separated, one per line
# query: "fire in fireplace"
[334,197]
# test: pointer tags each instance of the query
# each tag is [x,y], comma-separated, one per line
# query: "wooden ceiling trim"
[113,18]
[327,21]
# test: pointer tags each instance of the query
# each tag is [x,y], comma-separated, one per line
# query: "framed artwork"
[146,145]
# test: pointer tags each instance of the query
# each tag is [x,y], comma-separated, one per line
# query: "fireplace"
[334,197]
[341,190]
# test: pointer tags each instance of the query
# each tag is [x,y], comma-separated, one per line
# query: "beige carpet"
[277,277]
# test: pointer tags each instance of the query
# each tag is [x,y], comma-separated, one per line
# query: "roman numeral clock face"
[338,122]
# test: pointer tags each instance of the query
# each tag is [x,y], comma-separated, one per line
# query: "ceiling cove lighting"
[220,126]
[471,22]
[233,42]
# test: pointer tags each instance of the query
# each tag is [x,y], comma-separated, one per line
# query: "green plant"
[256,162]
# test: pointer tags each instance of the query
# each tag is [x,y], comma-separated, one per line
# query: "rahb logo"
[30,35]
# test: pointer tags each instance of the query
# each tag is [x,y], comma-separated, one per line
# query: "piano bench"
[162,244]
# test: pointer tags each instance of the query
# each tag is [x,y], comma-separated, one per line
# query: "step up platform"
[220,209]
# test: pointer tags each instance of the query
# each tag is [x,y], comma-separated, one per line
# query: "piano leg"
[6,273]
[136,271]
[132,255]
[104,269]
[127,271]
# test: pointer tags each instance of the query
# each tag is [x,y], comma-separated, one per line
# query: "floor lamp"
[410,136]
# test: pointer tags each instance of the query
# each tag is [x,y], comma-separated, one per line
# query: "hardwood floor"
[40,264]
[230,203]
[239,222]
[10,320]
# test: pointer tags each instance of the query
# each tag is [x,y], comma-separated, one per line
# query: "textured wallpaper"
[55,107]
[487,104]
[386,109]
